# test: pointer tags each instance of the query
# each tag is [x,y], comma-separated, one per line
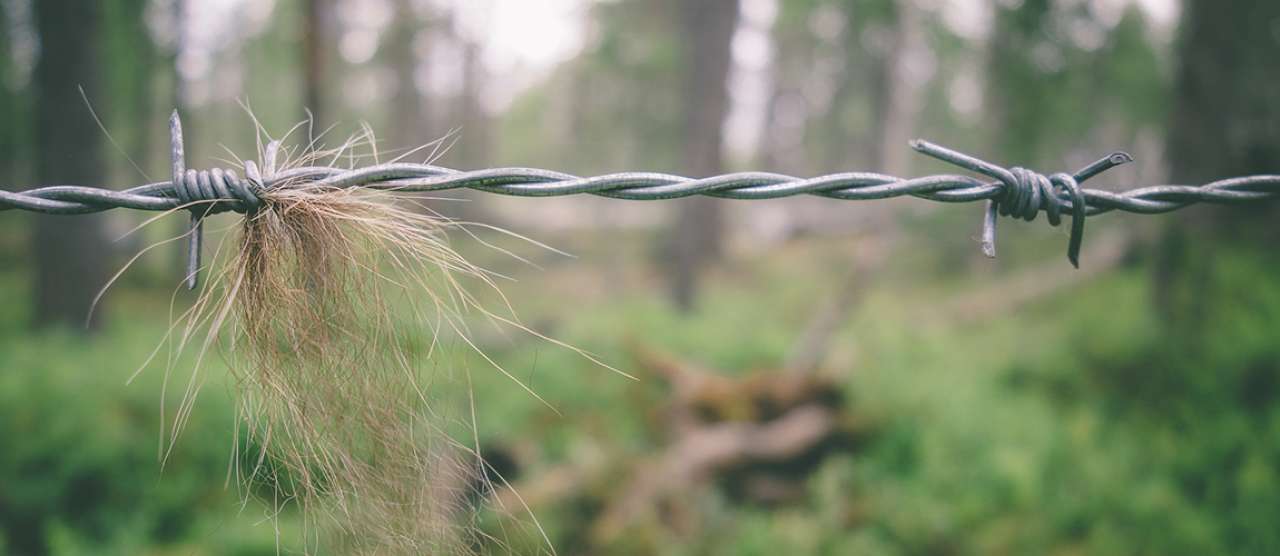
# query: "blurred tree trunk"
[697,236]
[897,103]
[473,145]
[880,78]
[143,108]
[179,90]
[128,89]
[1020,92]
[70,252]
[795,47]
[315,27]
[871,49]
[1215,368]
[768,154]
[1225,122]
[11,135]
[127,103]
[409,119]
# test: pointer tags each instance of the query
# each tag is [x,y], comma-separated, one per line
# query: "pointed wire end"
[175,124]
[933,150]
[193,268]
[177,155]
[193,251]
[989,229]
[1073,248]
[1112,160]
[270,158]
[927,148]
[957,158]
[1073,254]
[989,249]
[178,162]
[195,242]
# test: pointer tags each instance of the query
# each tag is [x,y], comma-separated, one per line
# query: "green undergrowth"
[1088,421]
[82,469]
[1085,422]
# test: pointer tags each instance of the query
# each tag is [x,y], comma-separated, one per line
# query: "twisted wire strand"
[647,186]
[641,186]
[1015,192]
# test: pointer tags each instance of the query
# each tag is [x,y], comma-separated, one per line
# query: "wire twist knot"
[208,192]
[214,191]
[1030,192]
[1024,193]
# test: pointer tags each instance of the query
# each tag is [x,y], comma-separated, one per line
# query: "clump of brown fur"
[326,301]
[325,376]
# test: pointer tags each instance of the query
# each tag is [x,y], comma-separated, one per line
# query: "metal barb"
[209,192]
[1112,160]
[1024,193]
[1078,206]
[195,232]
[1016,192]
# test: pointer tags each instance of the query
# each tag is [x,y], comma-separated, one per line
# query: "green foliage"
[1057,75]
[625,85]
[127,94]
[1084,423]
[81,471]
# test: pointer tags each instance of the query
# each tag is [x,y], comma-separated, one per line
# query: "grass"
[1045,429]
[82,469]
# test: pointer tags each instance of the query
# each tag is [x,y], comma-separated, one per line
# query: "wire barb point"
[1112,160]
[1023,193]
[195,230]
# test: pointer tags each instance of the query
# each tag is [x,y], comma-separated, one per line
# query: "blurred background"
[816,376]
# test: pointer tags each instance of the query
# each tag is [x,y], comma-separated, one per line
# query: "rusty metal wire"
[1015,192]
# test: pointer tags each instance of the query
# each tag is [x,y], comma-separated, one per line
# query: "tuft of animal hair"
[330,307]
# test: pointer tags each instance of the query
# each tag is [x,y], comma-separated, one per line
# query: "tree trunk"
[127,101]
[11,136]
[1225,122]
[868,74]
[898,101]
[70,252]
[409,124]
[473,145]
[698,232]
[315,21]
[472,124]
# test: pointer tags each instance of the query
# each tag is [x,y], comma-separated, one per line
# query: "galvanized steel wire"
[1016,192]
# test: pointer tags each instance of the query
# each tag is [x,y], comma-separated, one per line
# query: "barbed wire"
[1016,192]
